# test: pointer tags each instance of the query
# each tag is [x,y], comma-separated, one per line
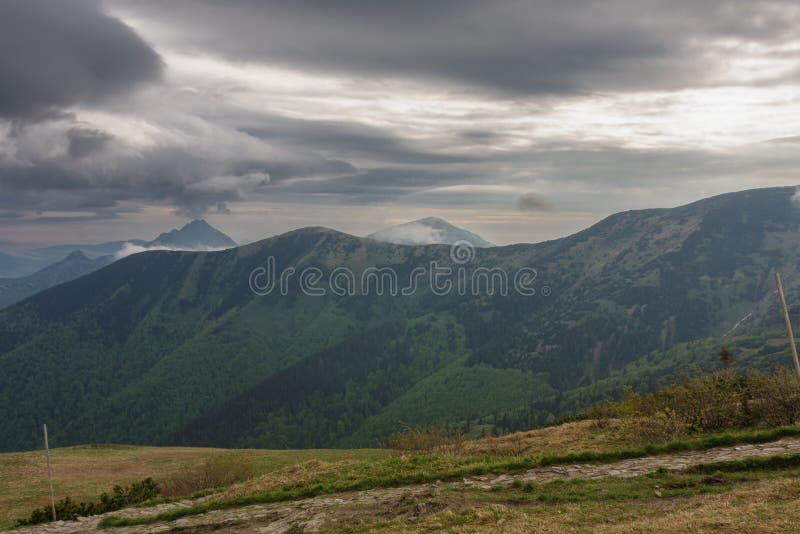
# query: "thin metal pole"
[788,322]
[49,474]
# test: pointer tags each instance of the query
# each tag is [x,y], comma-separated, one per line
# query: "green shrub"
[721,400]
[776,397]
[660,427]
[120,497]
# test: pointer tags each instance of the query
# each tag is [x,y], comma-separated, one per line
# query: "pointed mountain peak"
[197,234]
[199,224]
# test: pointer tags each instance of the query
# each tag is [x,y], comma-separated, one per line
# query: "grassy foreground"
[397,471]
[761,487]
[84,472]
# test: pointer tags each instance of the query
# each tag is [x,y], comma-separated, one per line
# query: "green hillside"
[174,348]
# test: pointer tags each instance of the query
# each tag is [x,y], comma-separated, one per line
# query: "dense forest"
[175,347]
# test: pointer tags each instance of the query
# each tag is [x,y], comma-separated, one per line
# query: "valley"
[174,348]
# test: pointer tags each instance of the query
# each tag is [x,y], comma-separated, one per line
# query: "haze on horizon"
[521,121]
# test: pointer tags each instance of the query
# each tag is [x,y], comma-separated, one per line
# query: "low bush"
[722,400]
[427,439]
[218,471]
[120,497]
[660,427]
[776,398]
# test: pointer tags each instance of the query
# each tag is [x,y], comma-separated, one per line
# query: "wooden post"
[788,322]
[49,474]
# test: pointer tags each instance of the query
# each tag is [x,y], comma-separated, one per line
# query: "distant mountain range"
[428,231]
[77,260]
[12,265]
[74,265]
[59,252]
[172,347]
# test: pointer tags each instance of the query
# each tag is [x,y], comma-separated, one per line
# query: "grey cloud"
[382,184]
[480,136]
[55,54]
[610,165]
[592,172]
[211,150]
[309,165]
[534,202]
[84,141]
[785,140]
[43,219]
[353,139]
[191,181]
[512,46]
[11,214]
[41,176]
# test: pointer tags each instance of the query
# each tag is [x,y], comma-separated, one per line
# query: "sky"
[520,120]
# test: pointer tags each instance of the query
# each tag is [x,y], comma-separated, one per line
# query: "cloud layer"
[500,110]
[511,46]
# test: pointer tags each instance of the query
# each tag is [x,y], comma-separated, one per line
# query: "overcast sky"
[521,120]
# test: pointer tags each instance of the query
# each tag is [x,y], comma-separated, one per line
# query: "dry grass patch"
[428,440]
[579,436]
[301,473]
[218,471]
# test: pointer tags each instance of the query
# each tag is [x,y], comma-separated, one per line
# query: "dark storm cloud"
[85,141]
[41,176]
[57,53]
[191,181]
[221,130]
[512,46]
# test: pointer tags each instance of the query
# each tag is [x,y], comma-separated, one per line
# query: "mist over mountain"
[175,347]
[58,252]
[23,260]
[428,231]
[67,262]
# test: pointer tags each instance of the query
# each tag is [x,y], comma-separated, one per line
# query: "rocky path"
[309,515]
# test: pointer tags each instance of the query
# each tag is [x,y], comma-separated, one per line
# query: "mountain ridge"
[166,342]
